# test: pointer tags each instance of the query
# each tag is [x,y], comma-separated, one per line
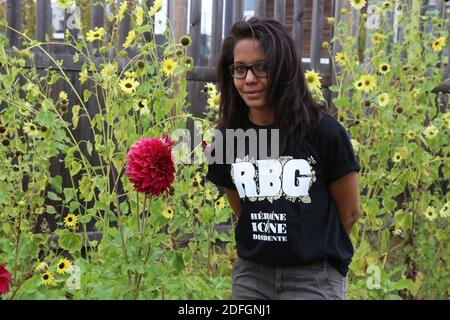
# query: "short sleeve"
[220,173]
[336,151]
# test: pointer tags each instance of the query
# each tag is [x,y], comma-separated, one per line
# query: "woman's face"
[252,89]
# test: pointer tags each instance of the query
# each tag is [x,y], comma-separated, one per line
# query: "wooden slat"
[13,15]
[238,10]
[447,17]
[43,19]
[216,33]
[298,27]
[279,11]
[260,8]
[178,18]
[124,27]
[228,16]
[148,35]
[194,30]
[316,33]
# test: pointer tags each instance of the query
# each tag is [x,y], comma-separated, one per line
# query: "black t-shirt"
[287,214]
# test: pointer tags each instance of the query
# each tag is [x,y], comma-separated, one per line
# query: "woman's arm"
[345,193]
[235,201]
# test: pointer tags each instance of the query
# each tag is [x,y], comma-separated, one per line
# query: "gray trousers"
[319,281]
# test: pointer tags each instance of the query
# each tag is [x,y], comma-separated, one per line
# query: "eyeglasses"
[239,70]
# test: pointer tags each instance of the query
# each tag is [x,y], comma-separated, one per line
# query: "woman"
[295,211]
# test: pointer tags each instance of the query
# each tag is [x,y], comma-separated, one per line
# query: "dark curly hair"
[295,110]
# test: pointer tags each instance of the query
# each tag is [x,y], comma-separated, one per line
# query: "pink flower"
[5,280]
[150,166]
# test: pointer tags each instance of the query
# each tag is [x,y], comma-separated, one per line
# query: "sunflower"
[168,66]
[179,52]
[411,134]
[313,80]
[185,41]
[358,4]
[139,16]
[71,221]
[167,213]
[47,278]
[445,210]
[128,85]
[122,10]
[446,116]
[397,157]
[387,5]
[430,213]
[214,101]
[211,195]
[384,68]
[63,95]
[430,132]
[210,87]
[439,44]
[188,62]
[377,38]
[108,70]
[367,83]
[220,203]
[63,265]
[197,180]
[30,129]
[341,58]
[96,34]
[155,8]
[130,38]
[83,75]
[141,106]
[383,99]
[359,85]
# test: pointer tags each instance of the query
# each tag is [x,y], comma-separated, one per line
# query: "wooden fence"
[298,15]
[305,18]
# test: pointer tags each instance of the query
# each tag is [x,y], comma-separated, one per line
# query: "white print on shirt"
[271,178]
[269,226]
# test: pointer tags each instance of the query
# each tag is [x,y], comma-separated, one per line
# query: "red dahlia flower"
[5,280]
[150,166]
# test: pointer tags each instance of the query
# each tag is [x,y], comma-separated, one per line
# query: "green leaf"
[402,284]
[51,209]
[71,242]
[53,196]
[85,188]
[75,111]
[75,167]
[86,95]
[56,182]
[69,193]
[89,147]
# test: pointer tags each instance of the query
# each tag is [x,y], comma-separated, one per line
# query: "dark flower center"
[45,277]
[61,265]
[128,85]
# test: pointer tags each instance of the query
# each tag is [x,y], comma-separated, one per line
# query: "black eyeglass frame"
[247,67]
